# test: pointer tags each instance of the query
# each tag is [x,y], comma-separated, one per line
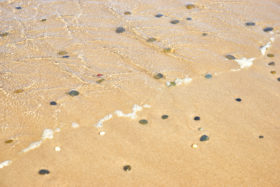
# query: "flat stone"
[271,63]
[190,6]
[62,53]
[100,81]
[164,116]
[230,57]
[42,20]
[250,23]
[238,99]
[44,172]
[120,30]
[143,121]
[19,91]
[18,7]
[270,55]
[65,56]
[273,72]
[127,13]
[204,138]
[127,168]
[158,76]
[278,78]
[73,93]
[4,34]
[168,50]
[174,21]
[208,76]
[9,141]
[53,103]
[151,39]
[261,137]
[189,19]
[268,29]
[204,34]
[196,118]
[158,15]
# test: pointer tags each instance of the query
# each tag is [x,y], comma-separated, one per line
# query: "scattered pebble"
[127,168]
[230,57]
[151,40]
[120,30]
[168,50]
[62,53]
[57,149]
[143,121]
[278,78]
[18,7]
[127,13]
[53,103]
[164,116]
[174,21]
[19,91]
[100,81]
[204,34]
[261,137]
[190,6]
[102,133]
[65,56]
[9,141]
[250,24]
[204,138]
[196,118]
[268,29]
[3,34]
[189,19]
[73,93]
[99,75]
[271,63]
[194,146]
[270,55]
[208,76]
[42,20]
[158,76]
[44,172]
[75,125]
[238,99]
[273,72]
[158,15]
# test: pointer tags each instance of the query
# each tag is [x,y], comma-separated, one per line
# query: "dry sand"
[83,141]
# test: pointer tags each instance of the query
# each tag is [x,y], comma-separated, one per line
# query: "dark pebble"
[65,56]
[250,24]
[53,103]
[230,57]
[62,52]
[271,63]
[261,137]
[151,39]
[143,121]
[42,20]
[204,34]
[174,21]
[73,93]
[204,138]
[158,15]
[196,118]
[127,168]
[208,76]
[9,141]
[44,172]
[190,6]
[127,13]
[158,76]
[164,116]
[273,72]
[278,78]
[100,81]
[238,99]
[4,34]
[18,7]
[120,30]
[268,29]
[189,19]
[270,55]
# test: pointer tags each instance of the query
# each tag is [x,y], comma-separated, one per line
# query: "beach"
[139,93]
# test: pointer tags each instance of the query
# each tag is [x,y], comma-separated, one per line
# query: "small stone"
[238,99]
[99,75]
[278,78]
[102,133]
[158,76]
[230,57]
[250,24]
[270,55]
[44,172]
[151,40]
[62,53]
[3,34]
[168,50]
[208,76]
[190,6]
[9,141]
[42,20]
[204,34]
[19,91]
[127,168]
[158,15]
[120,30]
[73,93]
[268,29]
[271,63]
[65,56]
[143,121]
[164,116]
[57,149]
[261,137]
[174,21]
[194,146]
[53,103]
[100,81]
[18,7]
[127,13]
[189,19]
[273,72]
[204,138]
[196,118]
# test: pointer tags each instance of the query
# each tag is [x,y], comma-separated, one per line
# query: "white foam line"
[5,163]
[245,62]
[106,118]
[264,48]
[136,108]
[178,81]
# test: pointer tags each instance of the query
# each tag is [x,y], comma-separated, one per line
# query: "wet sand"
[74,88]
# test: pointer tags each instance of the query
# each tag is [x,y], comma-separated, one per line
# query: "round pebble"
[73,93]
[151,39]
[120,30]
[3,34]
[19,91]
[174,21]
[261,137]
[271,63]
[99,75]
[204,34]
[158,15]
[127,168]
[42,20]
[189,19]
[158,76]
[18,7]
[250,24]
[230,57]
[238,99]
[62,53]
[127,13]
[208,76]
[9,141]
[204,138]
[190,6]
[44,172]
[273,72]
[143,121]
[164,116]
[65,56]
[270,55]
[53,103]
[278,78]
[194,146]
[196,118]
[268,29]
[100,81]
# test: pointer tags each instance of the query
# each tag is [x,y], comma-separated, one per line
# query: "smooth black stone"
[271,63]
[127,168]
[268,29]
[278,78]
[66,56]
[120,30]
[158,76]
[189,19]
[127,13]
[230,57]
[158,15]
[73,93]
[174,21]
[238,99]
[204,138]
[44,172]
[261,137]
[164,116]
[18,7]
[53,103]
[43,20]
[196,118]
[143,121]
[204,34]
[250,24]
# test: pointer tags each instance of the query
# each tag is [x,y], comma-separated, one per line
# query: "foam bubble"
[5,163]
